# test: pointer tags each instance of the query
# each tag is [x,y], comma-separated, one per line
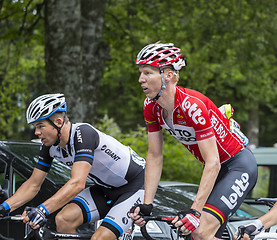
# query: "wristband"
[6,206]
[44,209]
[259,224]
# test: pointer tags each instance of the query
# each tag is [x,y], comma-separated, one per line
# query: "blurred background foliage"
[230,47]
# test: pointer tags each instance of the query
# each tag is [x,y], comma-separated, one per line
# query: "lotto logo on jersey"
[193,111]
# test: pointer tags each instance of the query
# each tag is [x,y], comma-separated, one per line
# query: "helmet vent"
[44,113]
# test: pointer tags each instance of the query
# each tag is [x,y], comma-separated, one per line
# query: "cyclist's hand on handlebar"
[36,216]
[137,212]
[4,209]
[187,221]
[248,231]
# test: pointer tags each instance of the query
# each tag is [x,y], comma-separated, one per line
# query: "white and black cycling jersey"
[112,163]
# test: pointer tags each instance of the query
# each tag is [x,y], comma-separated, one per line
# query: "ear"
[169,74]
[58,121]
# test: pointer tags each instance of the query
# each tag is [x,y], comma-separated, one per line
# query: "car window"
[261,188]
[17,181]
[267,173]
[244,212]
[3,166]
[28,152]
[189,191]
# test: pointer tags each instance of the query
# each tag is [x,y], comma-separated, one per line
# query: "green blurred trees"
[229,45]
[21,64]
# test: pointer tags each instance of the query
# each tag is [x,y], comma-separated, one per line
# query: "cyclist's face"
[150,80]
[46,132]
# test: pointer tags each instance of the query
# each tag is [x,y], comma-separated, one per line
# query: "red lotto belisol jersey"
[195,117]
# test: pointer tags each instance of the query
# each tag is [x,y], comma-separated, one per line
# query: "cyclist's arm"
[209,152]
[28,190]
[153,170]
[154,165]
[270,218]
[75,185]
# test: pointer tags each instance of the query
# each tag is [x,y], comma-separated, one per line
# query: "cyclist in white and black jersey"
[115,167]
[117,170]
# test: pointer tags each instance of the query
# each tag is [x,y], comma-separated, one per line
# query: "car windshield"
[188,190]
[28,152]
[244,212]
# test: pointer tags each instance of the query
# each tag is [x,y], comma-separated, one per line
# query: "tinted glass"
[17,182]
[2,171]
[168,202]
[189,191]
[28,152]
[244,212]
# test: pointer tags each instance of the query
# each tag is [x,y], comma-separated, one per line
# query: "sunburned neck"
[167,100]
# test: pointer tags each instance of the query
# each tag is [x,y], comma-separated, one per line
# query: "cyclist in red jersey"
[230,169]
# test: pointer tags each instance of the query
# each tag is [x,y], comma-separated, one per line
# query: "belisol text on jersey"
[218,127]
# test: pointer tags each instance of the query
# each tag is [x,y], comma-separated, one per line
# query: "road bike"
[44,233]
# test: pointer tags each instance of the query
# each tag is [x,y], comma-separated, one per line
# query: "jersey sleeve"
[45,160]
[198,115]
[86,140]
[151,120]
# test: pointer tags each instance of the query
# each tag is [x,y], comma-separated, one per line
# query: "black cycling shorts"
[111,204]
[236,178]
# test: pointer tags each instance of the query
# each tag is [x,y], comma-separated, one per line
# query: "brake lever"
[240,232]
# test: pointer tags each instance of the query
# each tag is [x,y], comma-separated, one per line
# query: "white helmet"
[44,106]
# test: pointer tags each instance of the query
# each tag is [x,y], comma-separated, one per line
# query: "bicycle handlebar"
[143,229]
[268,201]
[44,231]
[261,235]
[11,218]
[168,220]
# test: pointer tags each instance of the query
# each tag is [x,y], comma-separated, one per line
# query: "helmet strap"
[162,87]
[58,129]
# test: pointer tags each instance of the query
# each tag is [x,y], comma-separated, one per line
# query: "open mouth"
[144,89]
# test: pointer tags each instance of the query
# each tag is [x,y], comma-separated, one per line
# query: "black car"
[17,160]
